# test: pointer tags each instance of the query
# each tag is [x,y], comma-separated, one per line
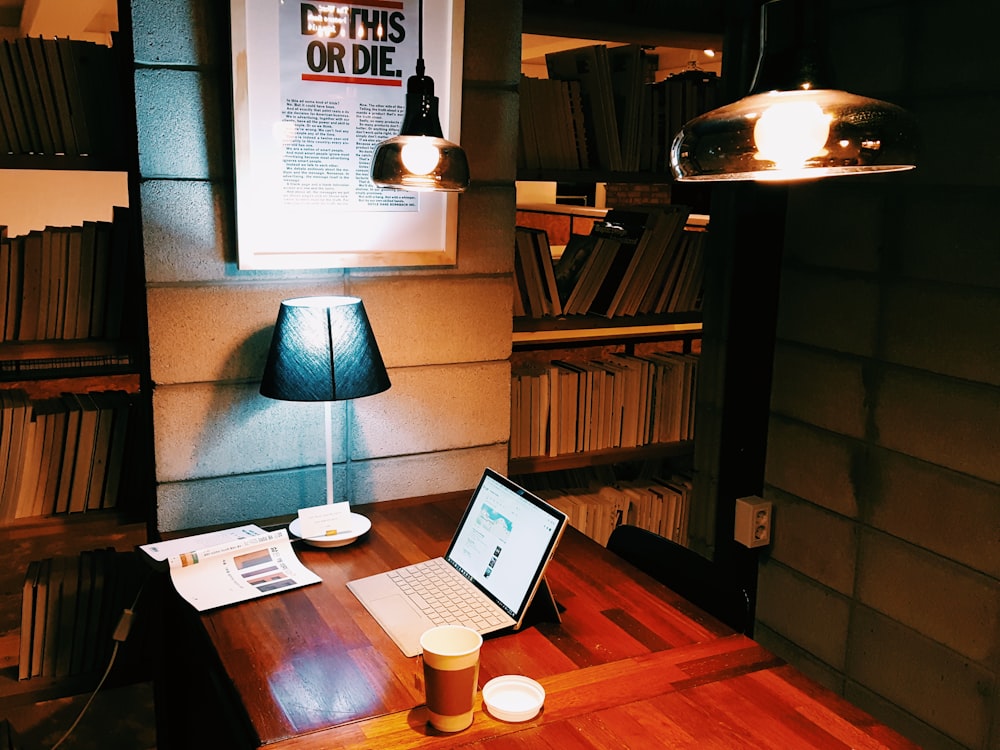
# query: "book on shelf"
[13,115]
[31,466]
[51,413]
[53,603]
[233,565]
[46,104]
[630,231]
[528,154]
[88,244]
[5,256]
[679,98]
[55,96]
[64,283]
[47,285]
[67,469]
[627,72]
[73,244]
[534,273]
[99,293]
[69,608]
[61,97]
[87,602]
[86,446]
[617,401]
[118,242]
[12,307]
[589,67]
[68,456]
[35,630]
[528,275]
[9,138]
[75,95]
[15,434]
[29,247]
[100,460]
[633,261]
[102,562]
[605,102]
[596,502]
[21,101]
[29,598]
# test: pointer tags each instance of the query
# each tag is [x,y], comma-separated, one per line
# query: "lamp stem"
[328,417]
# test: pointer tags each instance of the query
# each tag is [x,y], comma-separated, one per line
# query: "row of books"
[70,605]
[619,401]
[64,454]
[56,97]
[600,108]
[632,262]
[63,283]
[595,504]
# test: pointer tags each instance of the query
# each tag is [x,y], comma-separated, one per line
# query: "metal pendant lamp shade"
[791,126]
[420,158]
[323,349]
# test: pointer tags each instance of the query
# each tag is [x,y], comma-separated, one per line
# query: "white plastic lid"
[513,697]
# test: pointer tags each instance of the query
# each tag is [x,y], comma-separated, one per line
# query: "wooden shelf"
[98,163]
[592,175]
[537,464]
[35,360]
[584,329]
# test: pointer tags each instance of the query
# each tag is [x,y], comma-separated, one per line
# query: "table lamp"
[323,349]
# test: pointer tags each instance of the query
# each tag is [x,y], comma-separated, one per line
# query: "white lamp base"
[359,525]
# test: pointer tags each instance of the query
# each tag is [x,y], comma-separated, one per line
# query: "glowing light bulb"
[791,133]
[419,155]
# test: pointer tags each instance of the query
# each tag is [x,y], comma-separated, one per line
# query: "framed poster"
[316,87]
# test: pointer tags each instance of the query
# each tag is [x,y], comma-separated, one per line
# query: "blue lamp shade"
[323,349]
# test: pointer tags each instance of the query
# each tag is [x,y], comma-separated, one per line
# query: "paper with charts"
[244,566]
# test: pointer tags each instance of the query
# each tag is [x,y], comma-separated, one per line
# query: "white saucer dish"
[359,525]
[513,698]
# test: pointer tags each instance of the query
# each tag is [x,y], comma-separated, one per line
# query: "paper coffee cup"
[451,675]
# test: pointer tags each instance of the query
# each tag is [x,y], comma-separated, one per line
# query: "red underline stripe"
[352,79]
[377,4]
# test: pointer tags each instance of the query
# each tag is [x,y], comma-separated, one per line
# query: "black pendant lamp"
[791,126]
[420,158]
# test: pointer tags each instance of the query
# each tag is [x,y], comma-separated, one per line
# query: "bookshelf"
[602,405]
[75,436]
[643,311]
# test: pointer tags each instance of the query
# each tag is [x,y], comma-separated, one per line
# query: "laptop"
[497,558]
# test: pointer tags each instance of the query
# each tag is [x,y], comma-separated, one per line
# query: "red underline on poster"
[350,79]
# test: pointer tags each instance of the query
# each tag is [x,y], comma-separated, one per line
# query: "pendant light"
[420,158]
[790,126]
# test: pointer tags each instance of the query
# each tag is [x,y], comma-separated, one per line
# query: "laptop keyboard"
[433,587]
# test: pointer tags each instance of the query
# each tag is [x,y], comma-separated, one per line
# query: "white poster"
[316,87]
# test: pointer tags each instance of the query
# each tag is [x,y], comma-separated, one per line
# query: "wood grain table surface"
[630,665]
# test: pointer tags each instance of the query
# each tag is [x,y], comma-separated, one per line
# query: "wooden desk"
[631,664]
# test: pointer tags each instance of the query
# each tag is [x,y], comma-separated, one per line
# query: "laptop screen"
[505,540]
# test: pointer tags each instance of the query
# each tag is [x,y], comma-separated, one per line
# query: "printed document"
[236,565]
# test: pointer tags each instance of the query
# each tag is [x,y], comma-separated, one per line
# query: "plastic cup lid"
[513,697]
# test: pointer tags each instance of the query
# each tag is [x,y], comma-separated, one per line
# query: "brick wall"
[223,452]
[884,441]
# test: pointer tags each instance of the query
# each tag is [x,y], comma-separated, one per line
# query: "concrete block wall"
[883,460]
[223,452]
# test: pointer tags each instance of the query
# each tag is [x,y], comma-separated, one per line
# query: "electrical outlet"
[752,526]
